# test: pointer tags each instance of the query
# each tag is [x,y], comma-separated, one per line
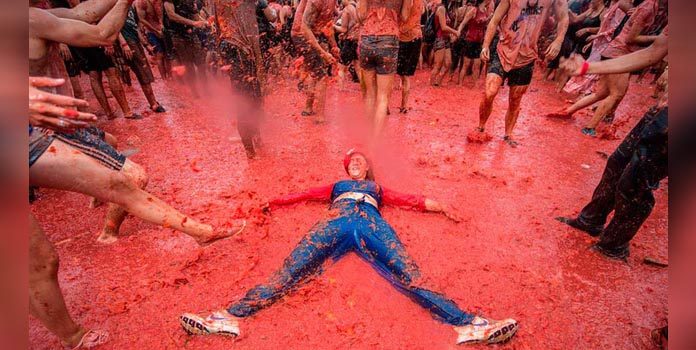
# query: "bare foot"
[87,339]
[107,238]
[222,233]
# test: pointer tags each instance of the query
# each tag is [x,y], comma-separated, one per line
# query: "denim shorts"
[379,53]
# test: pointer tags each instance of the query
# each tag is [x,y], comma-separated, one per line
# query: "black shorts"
[409,53]
[93,59]
[189,49]
[379,53]
[139,64]
[90,141]
[315,65]
[472,50]
[242,72]
[73,66]
[349,51]
[516,77]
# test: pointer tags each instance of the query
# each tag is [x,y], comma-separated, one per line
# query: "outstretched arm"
[43,24]
[322,193]
[419,203]
[88,11]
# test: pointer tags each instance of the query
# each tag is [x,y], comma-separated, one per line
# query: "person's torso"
[367,187]
[236,22]
[439,32]
[382,17]
[130,27]
[184,8]
[327,11]
[476,28]
[352,25]
[263,22]
[643,17]
[520,30]
[154,12]
[410,29]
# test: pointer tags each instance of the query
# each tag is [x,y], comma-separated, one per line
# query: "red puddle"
[507,258]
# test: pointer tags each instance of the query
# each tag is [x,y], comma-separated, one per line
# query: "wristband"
[584,68]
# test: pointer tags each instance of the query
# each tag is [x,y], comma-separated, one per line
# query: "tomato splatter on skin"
[508,258]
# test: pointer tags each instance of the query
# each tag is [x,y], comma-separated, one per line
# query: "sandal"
[135,116]
[307,114]
[512,143]
[158,109]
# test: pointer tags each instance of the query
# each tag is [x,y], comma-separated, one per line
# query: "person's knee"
[121,186]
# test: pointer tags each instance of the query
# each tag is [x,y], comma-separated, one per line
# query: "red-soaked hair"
[346,161]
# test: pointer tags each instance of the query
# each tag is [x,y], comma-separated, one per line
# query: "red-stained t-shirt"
[382,17]
[236,20]
[642,18]
[323,194]
[410,29]
[519,32]
[326,11]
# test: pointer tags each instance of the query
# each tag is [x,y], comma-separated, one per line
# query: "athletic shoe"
[486,331]
[589,132]
[216,323]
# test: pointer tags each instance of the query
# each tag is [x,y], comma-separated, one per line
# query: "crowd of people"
[590,48]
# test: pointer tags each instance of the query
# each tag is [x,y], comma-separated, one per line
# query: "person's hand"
[587,47]
[65,53]
[582,32]
[591,38]
[553,50]
[485,54]
[127,52]
[336,52]
[109,50]
[572,65]
[328,57]
[450,214]
[53,111]
[200,24]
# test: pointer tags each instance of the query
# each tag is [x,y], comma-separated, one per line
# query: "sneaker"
[589,132]
[216,323]
[593,231]
[482,330]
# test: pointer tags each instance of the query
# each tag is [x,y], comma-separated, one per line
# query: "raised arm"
[89,11]
[45,25]
[322,193]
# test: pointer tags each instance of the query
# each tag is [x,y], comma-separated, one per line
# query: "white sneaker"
[486,331]
[216,323]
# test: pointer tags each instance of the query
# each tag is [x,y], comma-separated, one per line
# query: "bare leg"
[370,78]
[462,72]
[116,214]
[515,98]
[95,79]
[405,92]
[493,82]
[601,93]
[117,90]
[439,58]
[46,301]
[71,170]
[150,95]
[320,93]
[385,84]
[447,62]
[476,70]
[309,87]
[617,85]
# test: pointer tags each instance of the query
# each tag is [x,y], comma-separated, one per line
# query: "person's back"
[382,17]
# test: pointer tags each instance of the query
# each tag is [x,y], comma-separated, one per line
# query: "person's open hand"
[53,111]
[572,65]
[127,52]
[553,50]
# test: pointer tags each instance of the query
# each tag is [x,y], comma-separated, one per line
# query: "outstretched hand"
[571,66]
[53,111]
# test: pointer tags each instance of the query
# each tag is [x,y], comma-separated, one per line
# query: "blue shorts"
[156,42]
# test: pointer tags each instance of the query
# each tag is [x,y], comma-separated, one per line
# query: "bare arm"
[362,9]
[406,8]
[470,12]
[142,16]
[88,11]
[43,24]
[561,9]
[623,64]
[171,12]
[442,20]
[309,18]
[498,15]
[435,207]
[344,22]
